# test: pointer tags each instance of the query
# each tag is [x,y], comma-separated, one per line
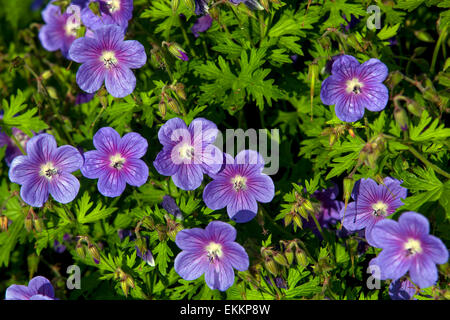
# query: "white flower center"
[413,246]
[354,86]
[239,183]
[48,170]
[186,151]
[109,59]
[71,27]
[379,208]
[117,161]
[214,251]
[113,5]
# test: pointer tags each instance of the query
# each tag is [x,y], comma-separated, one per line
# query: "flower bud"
[148,222]
[265,4]
[301,257]
[176,50]
[289,254]
[271,266]
[29,222]
[298,221]
[38,224]
[179,89]
[46,75]
[280,259]
[173,104]
[414,108]
[81,252]
[162,107]
[348,188]
[4,223]
[287,219]
[303,212]
[93,251]
[175,4]
[401,118]
[307,205]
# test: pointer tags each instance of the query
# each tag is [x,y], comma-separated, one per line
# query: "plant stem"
[428,163]
[442,36]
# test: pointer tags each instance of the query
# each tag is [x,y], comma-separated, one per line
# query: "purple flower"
[46,169]
[124,233]
[147,256]
[402,290]
[83,97]
[353,87]
[36,4]
[171,207]
[12,150]
[201,25]
[240,186]
[372,203]
[352,23]
[116,161]
[59,247]
[107,58]
[329,207]
[210,251]
[201,7]
[117,12]
[188,152]
[407,246]
[39,288]
[60,30]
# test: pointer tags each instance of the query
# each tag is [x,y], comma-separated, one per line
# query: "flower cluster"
[102,51]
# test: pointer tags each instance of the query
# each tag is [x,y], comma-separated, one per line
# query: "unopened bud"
[348,188]
[29,222]
[93,251]
[52,93]
[3,223]
[179,89]
[124,286]
[271,266]
[298,221]
[173,104]
[190,4]
[265,4]
[175,4]
[149,223]
[307,205]
[301,257]
[46,75]
[81,252]
[303,212]
[38,224]
[177,51]
[414,108]
[351,132]
[162,108]
[280,259]
[401,118]
[289,254]
[287,219]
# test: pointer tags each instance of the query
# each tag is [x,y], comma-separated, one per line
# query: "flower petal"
[194,239]
[120,81]
[135,172]
[236,255]
[414,224]
[85,49]
[111,183]
[218,193]
[393,264]
[35,191]
[218,231]
[261,187]
[41,147]
[387,234]
[345,65]
[203,131]
[373,70]
[374,97]
[332,88]
[132,54]
[435,249]
[95,163]
[68,159]
[64,187]
[164,164]
[22,169]
[107,140]
[188,176]
[18,292]
[348,108]
[172,131]
[423,271]
[133,145]
[354,219]
[219,275]
[243,208]
[190,265]
[90,76]
[41,285]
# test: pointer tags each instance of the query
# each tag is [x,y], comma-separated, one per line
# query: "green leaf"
[98,213]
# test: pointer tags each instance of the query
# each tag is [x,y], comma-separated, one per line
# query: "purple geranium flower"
[372,203]
[60,30]
[147,255]
[353,87]
[116,161]
[12,150]
[39,288]
[83,97]
[117,12]
[107,58]
[211,251]
[201,7]
[408,246]
[188,152]
[171,207]
[402,289]
[201,25]
[46,169]
[329,207]
[240,186]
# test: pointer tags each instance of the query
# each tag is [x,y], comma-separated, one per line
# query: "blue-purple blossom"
[116,161]
[106,57]
[147,255]
[353,87]
[60,29]
[188,152]
[171,207]
[201,7]
[117,12]
[39,288]
[83,97]
[240,186]
[12,150]
[211,251]
[372,203]
[328,213]
[407,246]
[201,25]
[46,169]
[402,289]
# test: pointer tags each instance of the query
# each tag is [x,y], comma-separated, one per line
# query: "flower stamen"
[379,209]
[117,161]
[109,59]
[113,5]
[214,251]
[239,183]
[412,247]
[48,170]
[354,86]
